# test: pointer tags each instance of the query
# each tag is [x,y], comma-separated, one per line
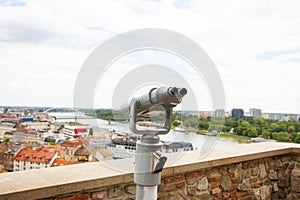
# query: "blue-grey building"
[237,113]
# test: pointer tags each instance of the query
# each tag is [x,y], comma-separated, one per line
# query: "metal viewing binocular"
[162,96]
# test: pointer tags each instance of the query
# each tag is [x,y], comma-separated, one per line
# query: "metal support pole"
[139,192]
[146,174]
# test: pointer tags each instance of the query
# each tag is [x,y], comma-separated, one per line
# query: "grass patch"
[238,138]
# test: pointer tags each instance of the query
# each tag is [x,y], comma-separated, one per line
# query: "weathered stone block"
[216,190]
[246,173]
[182,194]
[191,181]
[275,187]
[192,175]
[130,189]
[273,175]
[256,185]
[262,171]
[295,180]
[233,188]
[180,185]
[271,164]
[114,192]
[235,181]
[169,187]
[173,195]
[226,183]
[215,174]
[275,196]
[76,197]
[246,165]
[263,193]
[282,193]
[285,160]
[241,195]
[173,179]
[253,180]
[98,195]
[203,196]
[253,163]
[296,158]
[283,178]
[295,196]
[245,186]
[226,195]
[233,194]
[202,184]
[214,185]
[254,171]
[278,163]
[191,190]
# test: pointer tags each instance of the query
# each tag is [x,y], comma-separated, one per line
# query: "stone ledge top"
[56,181]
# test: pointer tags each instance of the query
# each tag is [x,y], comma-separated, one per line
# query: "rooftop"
[62,162]
[71,143]
[40,156]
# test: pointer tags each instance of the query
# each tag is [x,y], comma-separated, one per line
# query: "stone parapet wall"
[260,171]
[276,177]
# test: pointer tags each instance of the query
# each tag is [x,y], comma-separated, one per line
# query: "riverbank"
[237,138]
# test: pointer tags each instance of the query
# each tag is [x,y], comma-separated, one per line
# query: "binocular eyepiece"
[167,97]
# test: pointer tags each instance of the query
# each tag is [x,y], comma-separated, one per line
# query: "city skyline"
[254,48]
[247,112]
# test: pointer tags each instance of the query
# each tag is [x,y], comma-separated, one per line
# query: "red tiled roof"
[40,156]
[72,143]
[55,148]
[62,162]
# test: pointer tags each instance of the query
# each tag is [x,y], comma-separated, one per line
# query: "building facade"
[219,113]
[254,112]
[237,113]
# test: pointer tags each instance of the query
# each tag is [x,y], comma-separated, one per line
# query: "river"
[201,142]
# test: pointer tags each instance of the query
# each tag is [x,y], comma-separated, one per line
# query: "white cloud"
[47,41]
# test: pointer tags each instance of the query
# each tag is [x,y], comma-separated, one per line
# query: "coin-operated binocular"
[149,160]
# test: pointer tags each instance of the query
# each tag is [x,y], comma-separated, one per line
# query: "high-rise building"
[219,113]
[237,113]
[254,112]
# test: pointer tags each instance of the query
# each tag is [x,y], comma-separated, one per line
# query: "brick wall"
[276,177]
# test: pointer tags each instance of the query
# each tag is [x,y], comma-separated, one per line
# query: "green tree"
[250,132]
[203,124]
[226,129]
[176,123]
[282,127]
[297,138]
[245,124]
[266,134]
[291,129]
[253,132]
[281,136]
[274,127]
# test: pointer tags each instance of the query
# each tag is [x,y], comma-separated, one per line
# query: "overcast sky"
[255,46]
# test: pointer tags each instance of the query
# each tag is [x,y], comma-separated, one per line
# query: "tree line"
[285,131]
